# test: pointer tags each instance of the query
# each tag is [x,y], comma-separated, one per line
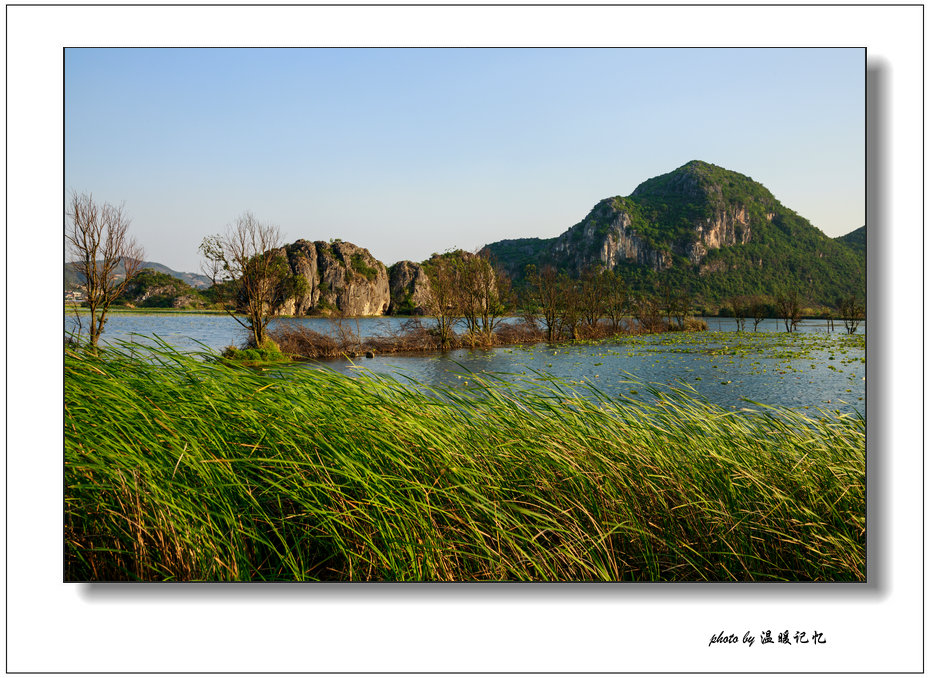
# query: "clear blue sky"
[413,151]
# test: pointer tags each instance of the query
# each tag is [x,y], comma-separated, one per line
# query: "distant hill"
[855,240]
[195,280]
[702,228]
[153,289]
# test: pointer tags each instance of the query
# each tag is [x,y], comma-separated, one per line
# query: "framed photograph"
[456,319]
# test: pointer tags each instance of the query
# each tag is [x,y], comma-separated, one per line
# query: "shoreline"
[123,310]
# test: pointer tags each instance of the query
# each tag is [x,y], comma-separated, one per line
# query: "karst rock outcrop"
[338,277]
[410,290]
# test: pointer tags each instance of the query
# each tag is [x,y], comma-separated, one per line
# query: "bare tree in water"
[103,253]
[250,273]
[852,312]
[569,307]
[593,293]
[681,307]
[758,308]
[740,308]
[616,300]
[788,303]
[648,312]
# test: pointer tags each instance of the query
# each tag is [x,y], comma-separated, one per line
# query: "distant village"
[75,295]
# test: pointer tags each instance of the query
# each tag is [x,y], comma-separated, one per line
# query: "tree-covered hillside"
[855,240]
[153,289]
[706,230]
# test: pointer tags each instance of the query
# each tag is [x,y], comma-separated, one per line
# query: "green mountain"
[702,228]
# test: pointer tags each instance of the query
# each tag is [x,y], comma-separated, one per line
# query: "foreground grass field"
[179,468]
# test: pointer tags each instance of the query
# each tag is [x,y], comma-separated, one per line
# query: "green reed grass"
[184,468]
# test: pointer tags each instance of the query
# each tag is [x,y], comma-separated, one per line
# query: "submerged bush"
[269,351]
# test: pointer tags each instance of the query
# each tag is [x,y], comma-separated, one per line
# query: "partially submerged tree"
[102,252]
[493,293]
[483,296]
[469,298]
[759,309]
[616,299]
[593,296]
[852,312]
[681,307]
[444,271]
[544,292]
[740,309]
[667,300]
[648,312]
[788,303]
[569,306]
[250,273]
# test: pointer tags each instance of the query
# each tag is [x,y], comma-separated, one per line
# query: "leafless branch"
[98,242]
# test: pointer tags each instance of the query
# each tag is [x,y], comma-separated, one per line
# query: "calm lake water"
[813,368]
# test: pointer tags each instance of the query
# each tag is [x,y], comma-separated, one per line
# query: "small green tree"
[444,272]
[544,294]
[494,294]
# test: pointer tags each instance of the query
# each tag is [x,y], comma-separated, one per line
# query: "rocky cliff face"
[339,277]
[606,237]
[410,291]
[302,258]
[728,227]
[687,213]
[701,207]
[342,277]
[352,280]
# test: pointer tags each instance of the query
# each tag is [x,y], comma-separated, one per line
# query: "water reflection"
[189,331]
[815,369]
